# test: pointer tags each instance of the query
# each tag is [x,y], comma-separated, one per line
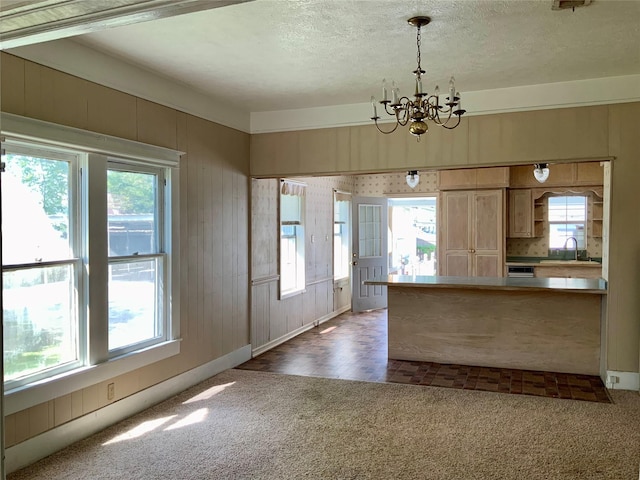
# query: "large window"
[567,221]
[41,267]
[341,238]
[292,259]
[85,257]
[136,261]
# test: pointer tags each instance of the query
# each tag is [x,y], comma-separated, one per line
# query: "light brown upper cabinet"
[520,208]
[560,175]
[471,233]
[473,178]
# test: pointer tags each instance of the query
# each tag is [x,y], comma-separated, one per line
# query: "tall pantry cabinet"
[471,233]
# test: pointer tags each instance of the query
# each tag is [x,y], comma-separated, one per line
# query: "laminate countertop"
[574,285]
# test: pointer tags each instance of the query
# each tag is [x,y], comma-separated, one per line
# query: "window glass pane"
[567,209]
[133,303]
[370,230]
[567,220]
[560,233]
[289,258]
[290,208]
[39,334]
[132,206]
[341,241]
[36,189]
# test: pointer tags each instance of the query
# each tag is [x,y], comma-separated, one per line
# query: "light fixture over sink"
[423,107]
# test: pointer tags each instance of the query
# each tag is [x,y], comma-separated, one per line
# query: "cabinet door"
[561,174]
[457,179]
[455,234]
[520,213]
[488,233]
[589,173]
[458,264]
[492,177]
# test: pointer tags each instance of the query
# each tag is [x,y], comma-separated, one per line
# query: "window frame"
[96,151]
[159,256]
[297,190]
[74,260]
[344,236]
[580,245]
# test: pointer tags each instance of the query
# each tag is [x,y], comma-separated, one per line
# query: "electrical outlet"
[111,391]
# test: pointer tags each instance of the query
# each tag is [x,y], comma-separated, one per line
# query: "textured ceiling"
[270,55]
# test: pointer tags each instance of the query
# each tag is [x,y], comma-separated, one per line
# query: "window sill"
[35,393]
[286,295]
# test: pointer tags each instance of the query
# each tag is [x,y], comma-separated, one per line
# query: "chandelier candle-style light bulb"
[452,90]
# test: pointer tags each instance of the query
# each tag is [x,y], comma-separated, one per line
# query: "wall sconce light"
[541,172]
[413,178]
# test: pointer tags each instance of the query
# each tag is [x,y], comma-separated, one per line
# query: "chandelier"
[423,107]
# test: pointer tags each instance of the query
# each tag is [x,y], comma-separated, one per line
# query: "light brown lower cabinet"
[573,271]
[471,233]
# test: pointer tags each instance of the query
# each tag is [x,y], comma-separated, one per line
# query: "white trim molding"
[16,127]
[622,380]
[36,448]
[578,93]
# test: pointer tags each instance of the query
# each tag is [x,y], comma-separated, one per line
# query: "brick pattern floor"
[354,347]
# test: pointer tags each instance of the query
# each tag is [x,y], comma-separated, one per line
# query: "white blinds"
[342,196]
[290,187]
[291,204]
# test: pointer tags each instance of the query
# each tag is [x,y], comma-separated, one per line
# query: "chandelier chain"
[418,37]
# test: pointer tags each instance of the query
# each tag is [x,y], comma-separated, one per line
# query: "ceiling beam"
[25,23]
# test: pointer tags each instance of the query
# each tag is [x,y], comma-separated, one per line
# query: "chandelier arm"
[386,103]
[444,125]
[442,122]
[382,131]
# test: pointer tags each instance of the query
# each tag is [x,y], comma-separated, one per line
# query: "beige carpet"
[253,425]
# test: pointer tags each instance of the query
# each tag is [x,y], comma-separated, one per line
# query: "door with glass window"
[369,253]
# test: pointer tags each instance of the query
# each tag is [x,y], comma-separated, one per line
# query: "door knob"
[354,263]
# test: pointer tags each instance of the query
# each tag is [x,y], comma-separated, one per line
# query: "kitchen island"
[549,324]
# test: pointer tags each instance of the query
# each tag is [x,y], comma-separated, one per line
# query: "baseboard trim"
[625,380]
[36,448]
[294,333]
[282,339]
[334,314]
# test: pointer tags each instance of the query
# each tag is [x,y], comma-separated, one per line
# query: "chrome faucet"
[575,241]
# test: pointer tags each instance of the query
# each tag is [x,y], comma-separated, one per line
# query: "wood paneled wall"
[274,320]
[214,223]
[505,139]
[578,134]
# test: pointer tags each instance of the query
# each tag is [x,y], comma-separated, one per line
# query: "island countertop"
[575,285]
